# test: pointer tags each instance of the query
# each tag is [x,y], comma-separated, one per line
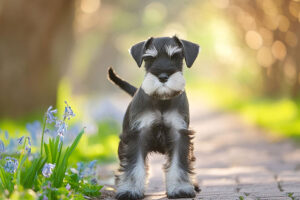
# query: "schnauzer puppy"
[157,119]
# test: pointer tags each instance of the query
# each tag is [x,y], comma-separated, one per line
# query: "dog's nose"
[163,77]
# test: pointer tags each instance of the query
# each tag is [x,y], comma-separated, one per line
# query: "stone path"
[234,161]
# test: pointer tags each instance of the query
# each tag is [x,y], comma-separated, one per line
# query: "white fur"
[174,174]
[134,182]
[171,50]
[146,120]
[175,83]
[151,52]
[175,120]
[150,84]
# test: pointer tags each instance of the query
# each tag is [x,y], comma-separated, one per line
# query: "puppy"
[157,119]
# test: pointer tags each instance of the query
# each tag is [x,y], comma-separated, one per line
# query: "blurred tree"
[35,41]
[272,29]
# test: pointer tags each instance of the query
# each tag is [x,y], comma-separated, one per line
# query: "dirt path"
[234,161]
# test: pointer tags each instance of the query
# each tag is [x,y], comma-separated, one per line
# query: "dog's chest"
[170,119]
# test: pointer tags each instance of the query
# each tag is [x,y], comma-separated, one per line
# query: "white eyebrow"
[151,52]
[171,50]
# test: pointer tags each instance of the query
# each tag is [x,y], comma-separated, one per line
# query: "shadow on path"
[234,161]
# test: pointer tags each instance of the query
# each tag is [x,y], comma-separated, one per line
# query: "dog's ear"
[138,49]
[190,51]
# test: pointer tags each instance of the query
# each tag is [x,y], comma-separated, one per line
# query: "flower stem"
[20,162]
[43,132]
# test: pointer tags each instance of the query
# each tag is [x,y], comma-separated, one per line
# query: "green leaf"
[48,155]
[60,169]
[31,173]
[7,180]
[91,190]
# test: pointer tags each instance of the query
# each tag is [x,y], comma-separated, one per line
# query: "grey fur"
[168,131]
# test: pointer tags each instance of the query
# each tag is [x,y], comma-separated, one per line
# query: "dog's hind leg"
[131,182]
[179,167]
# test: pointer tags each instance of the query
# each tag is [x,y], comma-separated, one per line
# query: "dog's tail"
[124,85]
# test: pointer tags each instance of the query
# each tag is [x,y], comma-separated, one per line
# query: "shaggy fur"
[157,119]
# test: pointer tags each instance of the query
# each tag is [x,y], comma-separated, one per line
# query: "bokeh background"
[57,50]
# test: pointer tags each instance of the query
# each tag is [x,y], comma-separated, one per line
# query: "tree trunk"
[35,41]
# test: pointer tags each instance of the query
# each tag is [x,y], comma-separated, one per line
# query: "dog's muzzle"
[163,86]
[163,77]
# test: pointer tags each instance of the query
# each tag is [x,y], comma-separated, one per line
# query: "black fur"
[127,87]
[129,196]
[136,142]
[181,194]
[137,51]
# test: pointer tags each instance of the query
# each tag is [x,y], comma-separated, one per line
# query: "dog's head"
[163,59]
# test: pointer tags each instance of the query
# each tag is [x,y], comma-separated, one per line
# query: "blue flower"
[11,165]
[68,186]
[28,146]
[62,128]
[20,140]
[50,115]
[6,135]
[68,112]
[28,140]
[34,129]
[11,145]
[47,169]
[92,164]
[2,149]
[80,166]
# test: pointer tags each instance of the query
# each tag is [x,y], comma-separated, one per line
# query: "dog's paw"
[182,191]
[197,187]
[127,195]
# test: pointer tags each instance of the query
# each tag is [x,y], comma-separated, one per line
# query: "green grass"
[31,174]
[280,116]
[101,146]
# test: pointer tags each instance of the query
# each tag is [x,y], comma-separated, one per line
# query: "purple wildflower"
[20,140]
[11,165]
[68,186]
[34,129]
[68,111]
[50,115]
[92,164]
[6,135]
[2,149]
[47,169]
[28,146]
[11,145]
[62,128]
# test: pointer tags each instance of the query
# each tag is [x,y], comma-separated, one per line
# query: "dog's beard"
[173,87]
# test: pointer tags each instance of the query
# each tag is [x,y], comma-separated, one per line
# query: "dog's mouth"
[165,93]
[171,88]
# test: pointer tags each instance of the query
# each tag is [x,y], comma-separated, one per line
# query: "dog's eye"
[148,58]
[177,55]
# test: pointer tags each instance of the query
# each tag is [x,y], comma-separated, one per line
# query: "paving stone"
[234,161]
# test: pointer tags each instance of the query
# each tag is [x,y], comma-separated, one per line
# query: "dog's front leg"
[178,168]
[131,181]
